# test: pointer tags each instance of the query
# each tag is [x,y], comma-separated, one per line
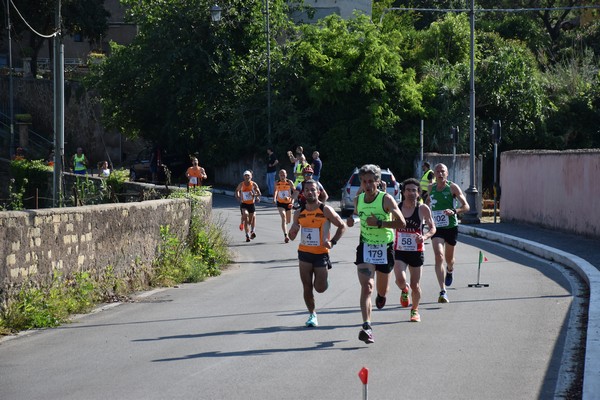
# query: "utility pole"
[11,150]
[59,109]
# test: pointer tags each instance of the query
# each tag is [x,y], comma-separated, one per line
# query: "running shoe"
[286,239]
[247,238]
[366,335]
[404,297]
[414,316]
[252,235]
[241,227]
[443,297]
[448,280]
[380,301]
[312,321]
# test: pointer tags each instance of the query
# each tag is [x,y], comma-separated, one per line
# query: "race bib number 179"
[375,253]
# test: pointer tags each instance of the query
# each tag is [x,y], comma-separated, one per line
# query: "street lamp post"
[268,36]
[472,217]
[215,13]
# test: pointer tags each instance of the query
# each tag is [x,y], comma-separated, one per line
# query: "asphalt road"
[242,335]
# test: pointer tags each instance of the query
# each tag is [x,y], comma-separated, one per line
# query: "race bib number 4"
[440,219]
[375,253]
[407,241]
[311,237]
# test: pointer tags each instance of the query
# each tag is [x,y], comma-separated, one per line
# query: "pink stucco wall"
[553,189]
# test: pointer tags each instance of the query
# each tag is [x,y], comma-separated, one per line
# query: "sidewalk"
[580,254]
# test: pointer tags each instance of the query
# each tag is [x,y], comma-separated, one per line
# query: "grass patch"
[200,255]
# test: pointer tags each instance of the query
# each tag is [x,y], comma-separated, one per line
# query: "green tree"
[187,83]
[349,79]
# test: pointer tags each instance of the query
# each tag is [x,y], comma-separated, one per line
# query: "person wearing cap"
[247,193]
[307,173]
[283,198]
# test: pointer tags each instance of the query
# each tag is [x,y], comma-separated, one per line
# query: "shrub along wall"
[125,237]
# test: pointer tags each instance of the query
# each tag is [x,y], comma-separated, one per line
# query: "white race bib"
[311,237]
[247,196]
[440,219]
[193,180]
[407,241]
[375,253]
[282,194]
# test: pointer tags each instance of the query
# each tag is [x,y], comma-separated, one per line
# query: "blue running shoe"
[312,321]
[448,280]
[443,297]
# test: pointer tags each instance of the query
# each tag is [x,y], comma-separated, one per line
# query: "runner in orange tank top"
[313,221]
[283,198]
[247,193]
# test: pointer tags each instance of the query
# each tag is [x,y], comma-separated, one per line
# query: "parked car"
[176,165]
[351,187]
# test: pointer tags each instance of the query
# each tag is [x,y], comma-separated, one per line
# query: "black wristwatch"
[333,242]
[379,223]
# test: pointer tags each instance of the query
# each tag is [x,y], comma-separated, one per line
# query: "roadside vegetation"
[355,89]
[202,254]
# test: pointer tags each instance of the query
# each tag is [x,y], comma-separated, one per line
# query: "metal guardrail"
[45,62]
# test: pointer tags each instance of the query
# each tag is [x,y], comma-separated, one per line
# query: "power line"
[508,10]
[29,26]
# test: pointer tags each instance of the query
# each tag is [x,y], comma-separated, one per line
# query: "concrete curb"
[591,383]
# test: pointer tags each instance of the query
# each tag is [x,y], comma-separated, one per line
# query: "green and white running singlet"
[442,200]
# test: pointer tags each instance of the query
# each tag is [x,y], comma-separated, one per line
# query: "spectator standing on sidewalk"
[441,200]
[299,161]
[104,170]
[379,218]
[313,221]
[317,165]
[283,198]
[408,245]
[248,193]
[272,163]
[426,180]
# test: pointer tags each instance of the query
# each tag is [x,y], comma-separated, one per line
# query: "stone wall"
[552,189]
[35,243]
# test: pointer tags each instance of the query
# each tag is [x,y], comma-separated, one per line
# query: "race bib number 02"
[375,253]
[311,237]
[440,219]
